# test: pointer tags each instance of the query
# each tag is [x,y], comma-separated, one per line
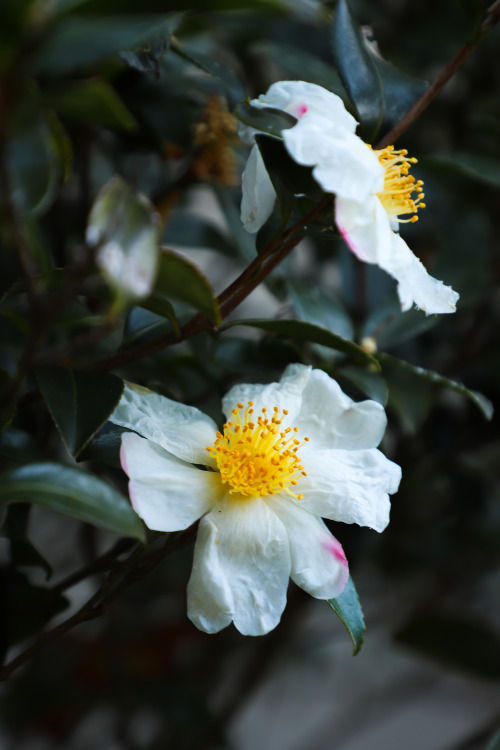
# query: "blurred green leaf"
[460,643]
[147,57]
[267,120]
[79,402]
[475,167]
[192,230]
[494,743]
[482,403]
[313,334]
[409,396]
[348,608]
[180,279]
[389,326]
[91,100]
[224,73]
[8,407]
[243,241]
[33,163]
[141,325]
[314,306]
[81,41]
[124,227]
[22,551]
[29,607]
[380,92]
[74,493]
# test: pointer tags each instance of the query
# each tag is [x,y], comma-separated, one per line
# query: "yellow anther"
[263,462]
[399,185]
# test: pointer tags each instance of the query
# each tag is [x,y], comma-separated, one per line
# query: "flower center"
[399,186]
[254,457]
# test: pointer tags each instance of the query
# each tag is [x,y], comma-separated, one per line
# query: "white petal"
[416,285]
[287,394]
[258,196]
[240,570]
[349,486]
[300,98]
[166,493]
[318,561]
[332,420]
[182,430]
[343,164]
[366,228]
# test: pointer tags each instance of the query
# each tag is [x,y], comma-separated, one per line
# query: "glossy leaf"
[105,447]
[467,645]
[124,227]
[369,383]
[482,403]
[79,402]
[92,100]
[224,73]
[191,230]
[314,306]
[141,325]
[494,743]
[74,493]
[313,334]
[348,608]
[268,120]
[380,92]
[357,70]
[148,56]
[180,279]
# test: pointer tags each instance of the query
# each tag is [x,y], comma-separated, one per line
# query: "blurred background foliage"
[120,169]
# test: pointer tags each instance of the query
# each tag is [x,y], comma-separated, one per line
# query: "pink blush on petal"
[123,460]
[335,549]
[300,110]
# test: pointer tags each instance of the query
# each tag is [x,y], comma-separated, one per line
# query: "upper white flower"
[373,188]
[289,453]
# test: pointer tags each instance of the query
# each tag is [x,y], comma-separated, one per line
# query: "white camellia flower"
[289,453]
[374,190]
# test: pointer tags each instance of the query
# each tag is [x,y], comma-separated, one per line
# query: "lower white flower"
[374,190]
[289,453]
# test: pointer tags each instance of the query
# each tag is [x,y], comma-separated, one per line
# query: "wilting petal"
[332,420]
[318,561]
[287,394]
[349,486]
[182,430]
[166,493]
[240,570]
[366,229]
[258,196]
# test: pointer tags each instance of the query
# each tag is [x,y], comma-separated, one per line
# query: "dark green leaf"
[22,551]
[294,177]
[314,334]
[79,402]
[91,100]
[224,73]
[148,56]
[192,230]
[348,608]
[357,70]
[475,167]
[124,227]
[464,644]
[76,42]
[142,325]
[74,493]
[482,403]
[8,402]
[410,397]
[380,92]
[105,447]
[243,241]
[268,120]
[179,279]
[34,166]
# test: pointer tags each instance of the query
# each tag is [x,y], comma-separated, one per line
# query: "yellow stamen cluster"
[254,457]
[399,185]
